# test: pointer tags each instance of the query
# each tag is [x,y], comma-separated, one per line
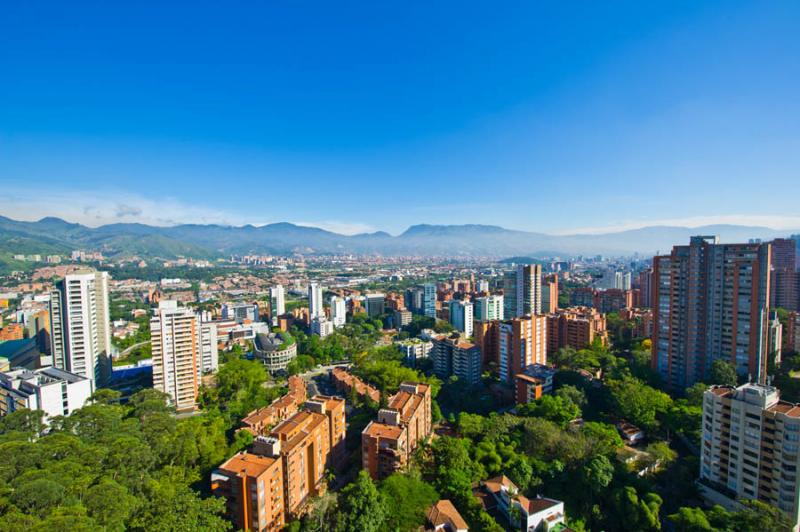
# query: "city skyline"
[363,119]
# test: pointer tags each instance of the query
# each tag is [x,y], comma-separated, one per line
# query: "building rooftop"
[383,431]
[443,513]
[247,464]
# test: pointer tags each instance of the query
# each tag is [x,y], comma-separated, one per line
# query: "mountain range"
[54,235]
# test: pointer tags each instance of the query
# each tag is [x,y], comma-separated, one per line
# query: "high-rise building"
[461,316]
[429,299]
[710,301]
[488,308]
[645,288]
[452,356]
[315,308]
[277,303]
[374,304]
[774,339]
[209,348]
[80,326]
[751,447]
[522,290]
[521,342]
[176,345]
[784,288]
[549,294]
[338,311]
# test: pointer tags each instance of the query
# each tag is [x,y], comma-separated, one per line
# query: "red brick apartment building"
[387,443]
[272,482]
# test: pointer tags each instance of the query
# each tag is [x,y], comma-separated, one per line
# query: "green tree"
[410,498]
[688,519]
[722,372]
[758,515]
[638,402]
[573,394]
[558,409]
[361,506]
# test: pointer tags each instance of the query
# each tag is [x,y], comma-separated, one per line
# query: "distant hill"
[209,241]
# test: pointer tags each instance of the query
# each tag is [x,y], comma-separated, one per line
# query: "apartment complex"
[751,448]
[521,342]
[374,304]
[387,442]
[414,349]
[711,301]
[461,316]
[453,356]
[80,325]
[429,299]
[315,308]
[183,349]
[575,327]
[488,308]
[785,288]
[522,290]
[549,293]
[271,483]
[605,300]
[277,303]
[260,421]
[535,381]
[338,311]
[345,382]
[54,391]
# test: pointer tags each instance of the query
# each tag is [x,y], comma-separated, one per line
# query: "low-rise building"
[531,384]
[260,421]
[414,349]
[54,391]
[321,327]
[344,382]
[275,350]
[539,514]
[443,517]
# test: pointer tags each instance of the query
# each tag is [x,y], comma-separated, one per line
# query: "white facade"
[488,308]
[277,301]
[338,311]
[54,391]
[315,309]
[461,316]
[321,327]
[240,312]
[79,324]
[209,350]
[177,362]
[751,445]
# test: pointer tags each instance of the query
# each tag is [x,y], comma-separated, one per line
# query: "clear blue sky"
[549,116]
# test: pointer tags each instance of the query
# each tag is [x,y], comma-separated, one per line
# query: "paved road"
[127,351]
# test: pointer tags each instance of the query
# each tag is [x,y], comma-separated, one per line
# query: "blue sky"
[544,116]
